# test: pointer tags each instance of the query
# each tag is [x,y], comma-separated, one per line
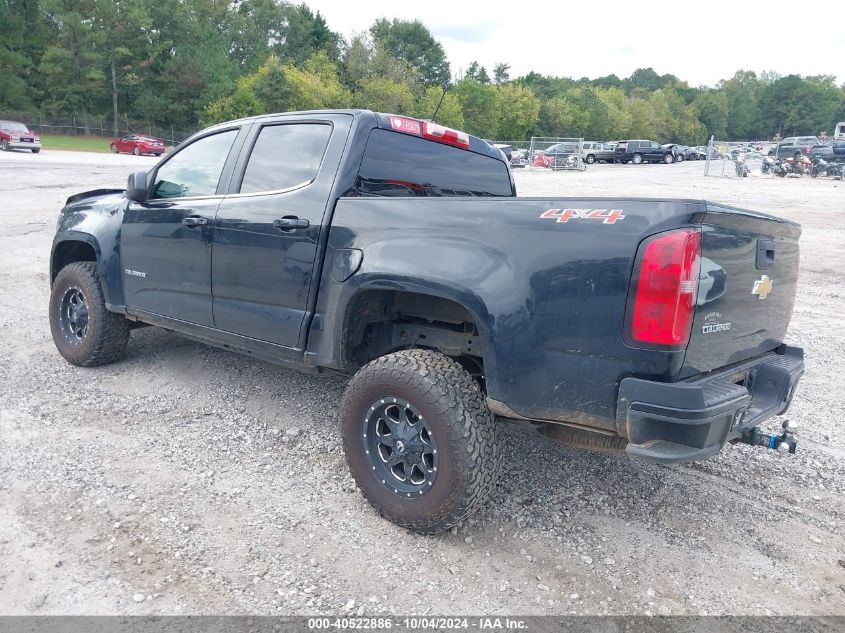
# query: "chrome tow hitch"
[784,442]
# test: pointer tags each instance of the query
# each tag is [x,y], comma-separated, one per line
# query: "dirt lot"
[191,480]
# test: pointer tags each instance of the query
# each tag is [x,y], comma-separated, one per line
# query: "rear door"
[267,231]
[747,282]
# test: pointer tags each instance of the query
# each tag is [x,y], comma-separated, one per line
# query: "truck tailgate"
[749,272]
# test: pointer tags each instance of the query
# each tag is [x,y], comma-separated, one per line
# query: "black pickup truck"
[396,251]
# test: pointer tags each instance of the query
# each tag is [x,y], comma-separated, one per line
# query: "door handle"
[291,223]
[193,220]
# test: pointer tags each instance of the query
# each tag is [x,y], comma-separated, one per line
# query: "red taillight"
[441,134]
[664,303]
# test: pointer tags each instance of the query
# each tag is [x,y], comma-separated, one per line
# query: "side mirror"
[137,186]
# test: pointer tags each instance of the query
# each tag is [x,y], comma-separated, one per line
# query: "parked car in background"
[682,152]
[14,135]
[138,145]
[788,146]
[828,151]
[639,151]
[598,151]
[699,152]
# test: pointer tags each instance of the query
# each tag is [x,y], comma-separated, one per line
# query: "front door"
[267,230]
[165,242]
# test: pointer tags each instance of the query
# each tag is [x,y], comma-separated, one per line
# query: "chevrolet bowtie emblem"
[762,287]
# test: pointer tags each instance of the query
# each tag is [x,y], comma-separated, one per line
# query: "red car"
[14,135]
[137,144]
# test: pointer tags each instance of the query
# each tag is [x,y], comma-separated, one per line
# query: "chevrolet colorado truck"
[395,250]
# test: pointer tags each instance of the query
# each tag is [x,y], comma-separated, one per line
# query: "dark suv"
[788,146]
[643,152]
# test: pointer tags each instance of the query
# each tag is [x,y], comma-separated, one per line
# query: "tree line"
[188,63]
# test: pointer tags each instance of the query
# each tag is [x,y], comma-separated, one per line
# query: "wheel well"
[378,322]
[70,252]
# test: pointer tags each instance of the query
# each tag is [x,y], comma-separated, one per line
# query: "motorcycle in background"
[768,164]
[822,167]
[739,164]
[799,165]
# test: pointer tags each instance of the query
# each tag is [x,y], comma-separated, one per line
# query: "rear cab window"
[401,165]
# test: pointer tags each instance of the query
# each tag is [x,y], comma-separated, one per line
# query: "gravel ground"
[191,480]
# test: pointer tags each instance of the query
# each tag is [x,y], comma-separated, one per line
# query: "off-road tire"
[578,438]
[463,428]
[108,333]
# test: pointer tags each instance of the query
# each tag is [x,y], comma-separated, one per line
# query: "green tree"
[501,73]
[557,117]
[123,24]
[306,33]
[449,112]
[480,108]
[520,111]
[72,65]
[477,72]
[15,64]
[413,43]
[383,95]
[712,107]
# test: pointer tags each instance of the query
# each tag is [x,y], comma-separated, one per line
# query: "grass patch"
[76,143]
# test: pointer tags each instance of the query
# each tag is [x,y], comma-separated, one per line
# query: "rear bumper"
[693,419]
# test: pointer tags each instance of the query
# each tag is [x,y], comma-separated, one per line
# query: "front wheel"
[590,159]
[679,158]
[84,331]
[136,150]
[419,439]
[638,158]
[667,158]
[4,145]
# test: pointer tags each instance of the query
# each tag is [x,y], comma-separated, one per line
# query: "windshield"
[11,126]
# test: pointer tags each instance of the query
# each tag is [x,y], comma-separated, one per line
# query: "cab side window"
[195,170]
[286,156]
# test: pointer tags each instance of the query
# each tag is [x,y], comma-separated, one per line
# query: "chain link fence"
[91,125]
[738,159]
[556,153]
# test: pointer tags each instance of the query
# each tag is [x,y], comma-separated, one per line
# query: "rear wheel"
[136,150]
[637,159]
[667,158]
[679,158]
[84,331]
[590,159]
[419,439]
[113,148]
[4,145]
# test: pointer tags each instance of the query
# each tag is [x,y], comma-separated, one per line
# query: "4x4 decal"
[607,216]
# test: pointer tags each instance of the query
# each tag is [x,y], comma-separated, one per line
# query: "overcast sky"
[700,42]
